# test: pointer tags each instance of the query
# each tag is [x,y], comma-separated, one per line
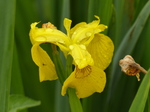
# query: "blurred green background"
[128,24]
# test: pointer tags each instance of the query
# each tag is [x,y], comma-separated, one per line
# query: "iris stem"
[68,65]
[58,64]
[74,101]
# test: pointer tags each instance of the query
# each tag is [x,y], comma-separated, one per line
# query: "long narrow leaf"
[139,102]
[102,8]
[7,14]
[130,39]
[118,82]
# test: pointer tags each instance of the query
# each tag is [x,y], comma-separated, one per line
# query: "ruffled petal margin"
[83,32]
[42,60]
[86,86]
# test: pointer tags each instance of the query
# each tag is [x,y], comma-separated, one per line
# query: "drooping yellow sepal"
[101,49]
[45,64]
[49,35]
[86,85]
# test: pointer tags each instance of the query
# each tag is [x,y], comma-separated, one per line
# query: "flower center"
[84,72]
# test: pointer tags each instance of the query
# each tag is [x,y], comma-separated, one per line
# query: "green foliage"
[7,17]
[139,102]
[19,102]
[128,24]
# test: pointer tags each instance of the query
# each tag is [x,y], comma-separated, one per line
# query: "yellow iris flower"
[91,51]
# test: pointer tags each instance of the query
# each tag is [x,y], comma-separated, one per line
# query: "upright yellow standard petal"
[43,61]
[80,55]
[83,32]
[72,31]
[85,85]
[67,24]
[101,49]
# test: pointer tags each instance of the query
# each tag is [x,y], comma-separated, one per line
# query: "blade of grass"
[102,8]
[139,102]
[47,10]
[147,107]
[65,13]
[16,80]
[7,16]
[79,10]
[146,53]
[26,14]
[145,63]
[119,15]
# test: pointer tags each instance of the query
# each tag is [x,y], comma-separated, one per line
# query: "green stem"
[74,101]
[58,65]
[68,65]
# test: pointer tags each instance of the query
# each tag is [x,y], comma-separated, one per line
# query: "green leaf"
[130,39]
[7,16]
[120,84]
[140,99]
[102,8]
[19,102]
[146,55]
[65,12]
[16,79]
[119,9]
[78,10]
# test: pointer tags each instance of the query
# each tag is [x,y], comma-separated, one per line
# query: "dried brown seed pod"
[130,67]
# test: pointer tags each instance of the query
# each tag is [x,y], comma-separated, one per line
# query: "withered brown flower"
[130,67]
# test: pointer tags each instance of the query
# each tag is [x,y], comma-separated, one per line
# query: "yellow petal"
[76,27]
[43,35]
[67,25]
[86,86]
[80,55]
[101,49]
[84,32]
[45,64]
[81,24]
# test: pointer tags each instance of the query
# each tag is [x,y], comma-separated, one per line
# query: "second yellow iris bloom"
[91,51]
